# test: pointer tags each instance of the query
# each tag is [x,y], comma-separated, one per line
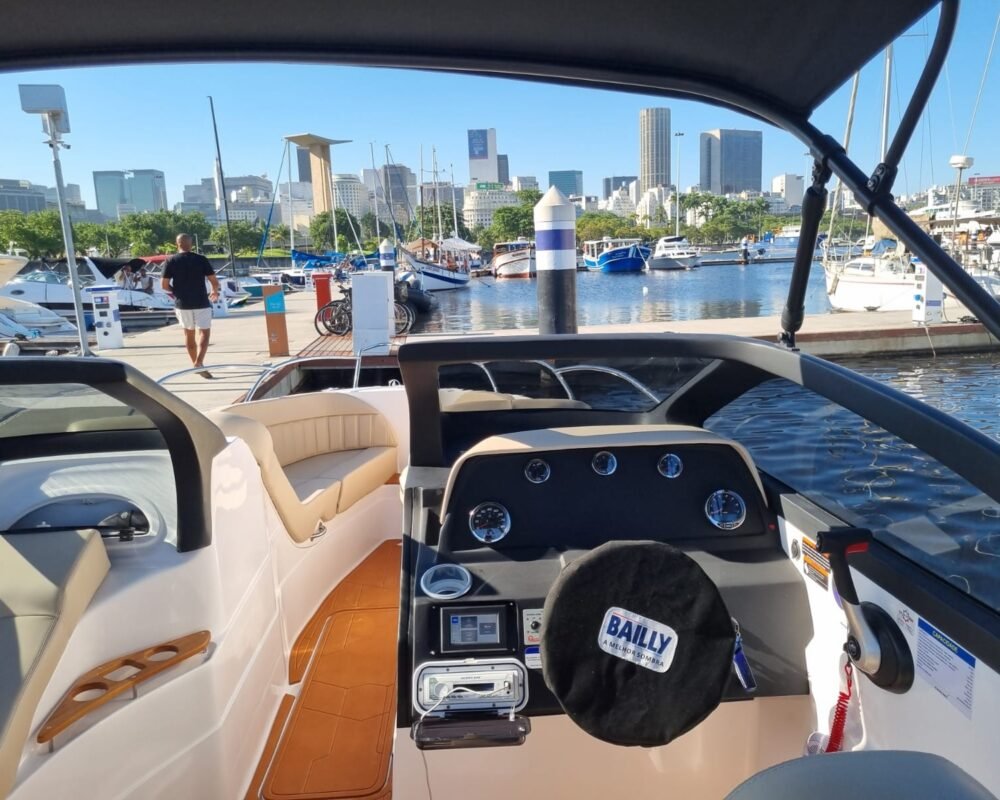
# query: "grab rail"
[635,384]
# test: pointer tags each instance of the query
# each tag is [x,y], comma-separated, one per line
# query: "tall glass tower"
[654,148]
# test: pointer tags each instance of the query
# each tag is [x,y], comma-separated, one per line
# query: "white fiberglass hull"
[434,277]
[884,291]
[517,264]
[673,262]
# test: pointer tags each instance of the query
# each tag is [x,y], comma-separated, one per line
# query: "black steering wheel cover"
[614,699]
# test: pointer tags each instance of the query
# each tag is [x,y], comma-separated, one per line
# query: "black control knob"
[535,625]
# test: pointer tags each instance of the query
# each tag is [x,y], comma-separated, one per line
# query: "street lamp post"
[677,186]
[50,102]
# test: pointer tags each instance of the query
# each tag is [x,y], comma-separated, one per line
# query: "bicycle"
[336,317]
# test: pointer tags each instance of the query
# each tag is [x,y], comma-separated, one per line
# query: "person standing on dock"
[744,250]
[184,276]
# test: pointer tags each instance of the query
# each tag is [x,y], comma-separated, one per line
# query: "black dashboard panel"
[578,508]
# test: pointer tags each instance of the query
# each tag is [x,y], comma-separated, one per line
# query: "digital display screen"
[475,628]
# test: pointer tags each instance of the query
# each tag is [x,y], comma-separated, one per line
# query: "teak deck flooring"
[338,741]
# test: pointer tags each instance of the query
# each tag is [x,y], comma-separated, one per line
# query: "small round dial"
[537,471]
[604,463]
[670,465]
[489,522]
[725,509]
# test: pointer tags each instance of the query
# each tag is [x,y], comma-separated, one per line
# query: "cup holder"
[446,581]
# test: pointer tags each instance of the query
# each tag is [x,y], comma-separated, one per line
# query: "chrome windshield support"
[635,384]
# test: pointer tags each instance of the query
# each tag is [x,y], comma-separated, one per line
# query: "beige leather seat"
[452,400]
[319,453]
[47,580]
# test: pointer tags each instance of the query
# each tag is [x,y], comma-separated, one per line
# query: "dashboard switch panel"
[531,619]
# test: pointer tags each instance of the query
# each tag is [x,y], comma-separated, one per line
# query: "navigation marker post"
[387,256]
[555,259]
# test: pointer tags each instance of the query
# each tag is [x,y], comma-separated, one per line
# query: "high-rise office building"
[305,168]
[18,195]
[731,161]
[790,187]
[147,189]
[567,181]
[616,182]
[521,182]
[400,187]
[351,194]
[654,148]
[503,169]
[111,191]
[484,164]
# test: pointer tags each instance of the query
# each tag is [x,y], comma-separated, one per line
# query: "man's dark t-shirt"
[188,271]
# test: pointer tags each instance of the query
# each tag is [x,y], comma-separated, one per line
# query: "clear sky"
[157,117]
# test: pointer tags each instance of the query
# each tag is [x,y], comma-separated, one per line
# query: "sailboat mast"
[838,190]
[388,183]
[420,217]
[291,208]
[885,102]
[454,208]
[437,203]
[222,184]
[378,227]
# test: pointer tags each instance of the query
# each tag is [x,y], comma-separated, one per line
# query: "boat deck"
[337,743]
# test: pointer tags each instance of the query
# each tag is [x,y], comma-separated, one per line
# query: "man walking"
[184,277]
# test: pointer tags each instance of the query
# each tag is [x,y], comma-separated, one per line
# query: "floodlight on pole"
[49,100]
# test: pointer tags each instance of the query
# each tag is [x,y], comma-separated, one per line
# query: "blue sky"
[157,117]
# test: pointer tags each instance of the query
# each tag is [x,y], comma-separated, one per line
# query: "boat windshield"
[60,408]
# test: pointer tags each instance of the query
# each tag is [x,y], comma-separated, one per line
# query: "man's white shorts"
[191,318]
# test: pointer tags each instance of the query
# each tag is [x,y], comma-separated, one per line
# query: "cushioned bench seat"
[319,453]
[47,580]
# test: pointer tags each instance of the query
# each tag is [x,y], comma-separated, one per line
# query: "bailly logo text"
[633,637]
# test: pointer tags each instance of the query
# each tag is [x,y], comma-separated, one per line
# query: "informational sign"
[274,303]
[483,186]
[479,144]
[987,180]
[948,667]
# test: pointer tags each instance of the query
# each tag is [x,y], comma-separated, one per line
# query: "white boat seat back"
[47,580]
[863,775]
[319,453]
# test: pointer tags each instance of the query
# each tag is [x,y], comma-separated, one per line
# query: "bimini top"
[785,56]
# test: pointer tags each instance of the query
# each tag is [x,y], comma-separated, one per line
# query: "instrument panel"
[586,496]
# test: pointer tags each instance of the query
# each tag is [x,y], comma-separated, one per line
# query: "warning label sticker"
[950,669]
[814,563]
[532,657]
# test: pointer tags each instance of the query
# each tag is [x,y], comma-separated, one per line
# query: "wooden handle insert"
[113,678]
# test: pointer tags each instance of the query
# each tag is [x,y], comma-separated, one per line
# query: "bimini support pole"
[813,206]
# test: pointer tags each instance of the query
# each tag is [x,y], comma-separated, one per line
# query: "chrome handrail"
[635,384]
[243,367]
[270,370]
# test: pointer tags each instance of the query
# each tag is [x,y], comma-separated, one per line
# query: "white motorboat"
[566,566]
[50,287]
[22,319]
[514,259]
[673,252]
[884,280]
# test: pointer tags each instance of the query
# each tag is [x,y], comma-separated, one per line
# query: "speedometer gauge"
[537,471]
[489,522]
[725,509]
[604,463]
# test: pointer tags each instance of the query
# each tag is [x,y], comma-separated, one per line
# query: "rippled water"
[873,479]
[711,292]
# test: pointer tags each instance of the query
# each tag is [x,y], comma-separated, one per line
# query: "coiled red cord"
[836,741]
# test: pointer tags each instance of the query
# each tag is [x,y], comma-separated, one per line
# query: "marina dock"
[240,339]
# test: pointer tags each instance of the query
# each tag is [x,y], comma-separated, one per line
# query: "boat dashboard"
[491,537]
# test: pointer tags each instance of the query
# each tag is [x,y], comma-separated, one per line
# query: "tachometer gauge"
[725,509]
[670,465]
[537,471]
[604,463]
[489,522]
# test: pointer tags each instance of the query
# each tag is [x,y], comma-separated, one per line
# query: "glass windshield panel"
[615,384]
[871,478]
[36,409]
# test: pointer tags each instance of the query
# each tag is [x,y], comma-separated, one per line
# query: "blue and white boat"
[615,255]
[442,265]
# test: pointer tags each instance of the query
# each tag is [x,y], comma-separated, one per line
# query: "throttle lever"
[862,645]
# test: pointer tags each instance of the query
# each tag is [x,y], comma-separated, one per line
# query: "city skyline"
[591,130]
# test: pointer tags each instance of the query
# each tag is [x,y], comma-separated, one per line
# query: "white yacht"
[673,252]
[20,319]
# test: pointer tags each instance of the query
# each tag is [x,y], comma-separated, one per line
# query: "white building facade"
[351,195]
[482,201]
[790,187]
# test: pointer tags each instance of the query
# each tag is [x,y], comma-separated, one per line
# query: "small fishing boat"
[21,319]
[673,252]
[514,259]
[615,255]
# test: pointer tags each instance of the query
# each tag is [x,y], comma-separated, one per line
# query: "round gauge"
[670,465]
[489,522]
[604,463]
[537,471]
[725,509]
